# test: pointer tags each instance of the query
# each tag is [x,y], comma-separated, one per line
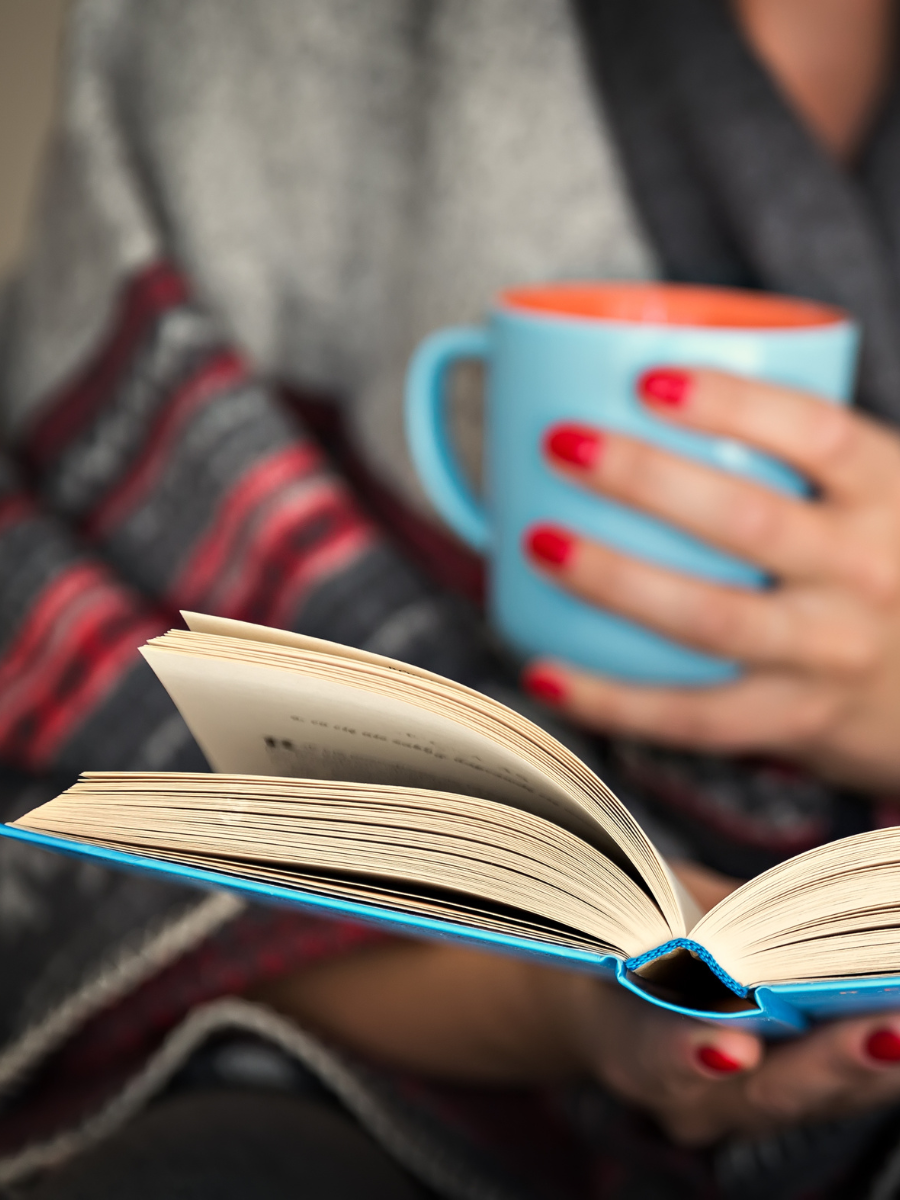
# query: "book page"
[311,728]
[379,721]
[402,837]
[832,912]
[230,627]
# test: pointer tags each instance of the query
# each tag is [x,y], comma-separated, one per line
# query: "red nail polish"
[665,385]
[550,545]
[716,1060]
[543,686]
[574,445]
[884,1045]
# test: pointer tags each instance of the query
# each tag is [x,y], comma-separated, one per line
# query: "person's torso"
[339,179]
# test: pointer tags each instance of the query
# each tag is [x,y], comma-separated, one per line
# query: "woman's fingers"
[822,647]
[785,536]
[680,1070]
[758,713]
[844,453]
[703,1082]
[841,1067]
[811,628]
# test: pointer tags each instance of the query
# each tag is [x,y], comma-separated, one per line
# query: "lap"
[228,1145]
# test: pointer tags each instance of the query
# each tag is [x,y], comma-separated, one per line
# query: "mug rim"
[683,305]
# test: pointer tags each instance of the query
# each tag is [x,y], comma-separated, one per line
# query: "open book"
[353,784]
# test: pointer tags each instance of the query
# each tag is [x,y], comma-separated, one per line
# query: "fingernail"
[575,445]
[550,545]
[543,686]
[884,1045]
[665,385]
[717,1060]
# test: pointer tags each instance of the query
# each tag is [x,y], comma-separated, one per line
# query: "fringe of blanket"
[131,966]
[419,1152]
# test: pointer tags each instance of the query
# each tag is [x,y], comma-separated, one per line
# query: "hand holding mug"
[820,648]
[572,354]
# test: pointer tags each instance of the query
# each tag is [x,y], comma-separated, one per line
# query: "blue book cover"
[361,788]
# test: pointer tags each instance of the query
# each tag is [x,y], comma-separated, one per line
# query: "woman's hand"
[702,1083]
[821,649]
[467,1016]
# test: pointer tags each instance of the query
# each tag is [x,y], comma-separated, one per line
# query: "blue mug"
[572,352]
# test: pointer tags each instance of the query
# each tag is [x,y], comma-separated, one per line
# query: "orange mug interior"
[671,304]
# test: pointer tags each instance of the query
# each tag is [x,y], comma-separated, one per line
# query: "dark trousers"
[234,1145]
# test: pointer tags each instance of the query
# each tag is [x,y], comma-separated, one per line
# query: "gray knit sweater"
[337,178]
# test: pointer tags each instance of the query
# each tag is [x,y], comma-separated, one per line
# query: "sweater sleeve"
[180,467]
[146,431]
[170,478]
[75,692]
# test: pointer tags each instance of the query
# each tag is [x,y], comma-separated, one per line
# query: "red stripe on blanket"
[334,538]
[150,294]
[328,560]
[289,530]
[222,545]
[294,533]
[106,656]
[15,508]
[46,615]
[223,371]
[79,638]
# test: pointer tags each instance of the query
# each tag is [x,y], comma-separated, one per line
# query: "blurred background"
[29,55]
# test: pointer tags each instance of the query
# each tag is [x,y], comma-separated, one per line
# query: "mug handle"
[426,429]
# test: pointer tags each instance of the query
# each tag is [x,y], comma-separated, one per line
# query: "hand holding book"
[458,1014]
